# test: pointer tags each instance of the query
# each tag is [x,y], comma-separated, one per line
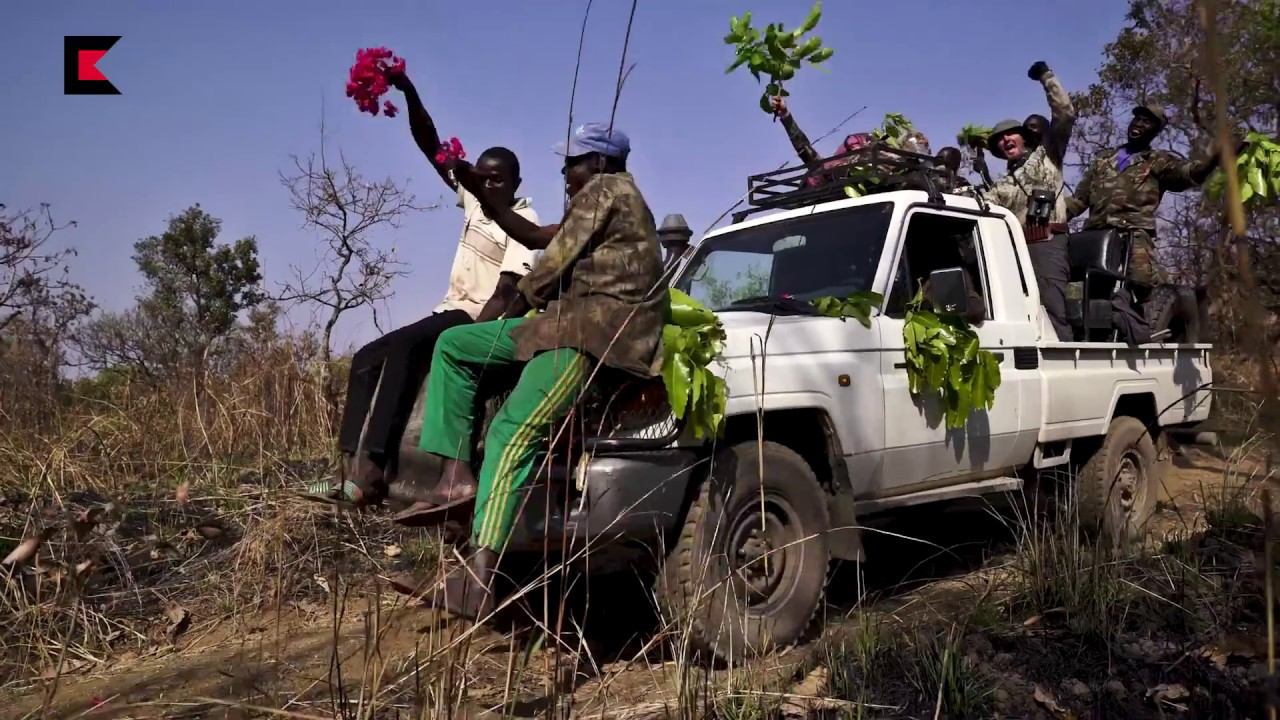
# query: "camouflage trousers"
[1144,266]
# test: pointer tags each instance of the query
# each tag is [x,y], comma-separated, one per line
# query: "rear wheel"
[749,568]
[1117,486]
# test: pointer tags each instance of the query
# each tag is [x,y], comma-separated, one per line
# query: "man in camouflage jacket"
[1122,189]
[598,288]
[1035,164]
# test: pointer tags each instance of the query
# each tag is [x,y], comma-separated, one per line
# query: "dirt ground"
[290,662]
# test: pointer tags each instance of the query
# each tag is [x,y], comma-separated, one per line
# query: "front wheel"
[749,568]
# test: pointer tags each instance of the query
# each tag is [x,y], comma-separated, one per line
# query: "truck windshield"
[830,253]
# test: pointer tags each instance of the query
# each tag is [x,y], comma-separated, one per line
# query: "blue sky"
[218,95]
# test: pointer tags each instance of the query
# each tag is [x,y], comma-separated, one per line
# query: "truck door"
[919,450]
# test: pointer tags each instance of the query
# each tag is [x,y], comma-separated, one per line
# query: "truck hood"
[794,334]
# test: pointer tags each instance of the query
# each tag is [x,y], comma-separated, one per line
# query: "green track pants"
[549,385]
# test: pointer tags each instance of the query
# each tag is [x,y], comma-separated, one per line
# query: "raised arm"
[799,141]
[1178,174]
[1062,113]
[588,214]
[423,128]
[520,229]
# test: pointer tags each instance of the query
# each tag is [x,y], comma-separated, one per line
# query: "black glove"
[1038,70]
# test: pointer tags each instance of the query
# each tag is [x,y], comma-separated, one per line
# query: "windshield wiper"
[772,303]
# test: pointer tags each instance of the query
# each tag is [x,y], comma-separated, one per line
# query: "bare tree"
[34,278]
[346,211]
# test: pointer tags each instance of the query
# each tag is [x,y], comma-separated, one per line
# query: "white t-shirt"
[484,252]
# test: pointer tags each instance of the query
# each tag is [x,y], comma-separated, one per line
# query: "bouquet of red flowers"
[450,151]
[368,79]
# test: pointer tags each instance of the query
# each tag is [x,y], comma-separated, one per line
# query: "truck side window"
[935,242]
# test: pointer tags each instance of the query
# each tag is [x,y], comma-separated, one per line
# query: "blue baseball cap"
[596,138]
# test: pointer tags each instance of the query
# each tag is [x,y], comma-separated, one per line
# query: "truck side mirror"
[949,292]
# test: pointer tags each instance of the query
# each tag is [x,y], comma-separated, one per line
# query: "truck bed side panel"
[1085,381]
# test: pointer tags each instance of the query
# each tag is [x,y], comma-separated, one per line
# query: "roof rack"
[878,167]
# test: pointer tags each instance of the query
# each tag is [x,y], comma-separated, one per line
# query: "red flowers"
[368,80]
[450,151]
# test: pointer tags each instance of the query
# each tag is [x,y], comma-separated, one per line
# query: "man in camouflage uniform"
[1035,166]
[1122,189]
[597,284]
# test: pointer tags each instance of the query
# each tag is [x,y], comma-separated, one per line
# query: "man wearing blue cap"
[597,286]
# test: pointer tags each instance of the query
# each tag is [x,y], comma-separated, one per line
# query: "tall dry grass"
[152,498]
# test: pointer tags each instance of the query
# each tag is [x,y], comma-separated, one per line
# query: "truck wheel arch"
[1136,401]
[811,433]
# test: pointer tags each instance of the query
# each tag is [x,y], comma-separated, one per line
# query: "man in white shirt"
[482,283]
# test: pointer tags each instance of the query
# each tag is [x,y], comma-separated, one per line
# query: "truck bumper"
[638,498]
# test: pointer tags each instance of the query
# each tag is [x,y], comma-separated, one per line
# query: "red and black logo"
[80,56]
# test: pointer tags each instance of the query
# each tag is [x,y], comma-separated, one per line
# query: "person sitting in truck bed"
[599,282]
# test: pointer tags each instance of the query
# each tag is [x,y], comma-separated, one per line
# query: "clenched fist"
[1038,70]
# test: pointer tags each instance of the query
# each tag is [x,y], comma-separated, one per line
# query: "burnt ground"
[946,619]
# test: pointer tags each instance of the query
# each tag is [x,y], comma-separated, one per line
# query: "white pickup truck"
[824,404]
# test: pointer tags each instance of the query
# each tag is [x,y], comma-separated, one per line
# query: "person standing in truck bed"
[1034,191]
[1122,189]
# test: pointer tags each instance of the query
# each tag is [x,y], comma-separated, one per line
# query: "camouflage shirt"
[1042,169]
[1128,198]
[597,279]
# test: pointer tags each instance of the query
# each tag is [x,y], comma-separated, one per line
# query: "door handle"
[900,366]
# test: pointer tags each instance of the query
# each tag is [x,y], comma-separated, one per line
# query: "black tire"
[1118,485]
[1175,309]
[716,585]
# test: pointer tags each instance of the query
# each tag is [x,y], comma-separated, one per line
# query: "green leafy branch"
[973,136]
[1258,168]
[944,358]
[891,132]
[776,52]
[858,306]
[692,338]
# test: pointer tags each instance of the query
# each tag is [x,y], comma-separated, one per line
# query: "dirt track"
[287,659]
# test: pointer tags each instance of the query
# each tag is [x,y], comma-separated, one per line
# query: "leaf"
[811,21]
[852,192]
[821,56]
[676,376]
[1045,698]
[699,379]
[179,620]
[23,552]
[1257,181]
